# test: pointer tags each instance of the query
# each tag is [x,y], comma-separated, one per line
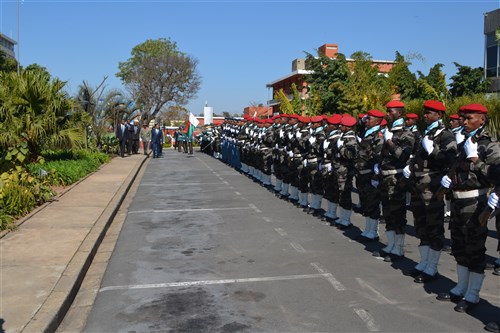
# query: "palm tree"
[36,113]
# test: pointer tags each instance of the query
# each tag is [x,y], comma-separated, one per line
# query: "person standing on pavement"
[121,136]
[473,173]
[370,147]
[434,155]
[397,149]
[156,140]
[145,136]
[136,137]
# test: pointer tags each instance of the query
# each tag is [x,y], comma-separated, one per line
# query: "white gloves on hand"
[428,144]
[290,136]
[340,143]
[312,140]
[407,172]
[470,148]
[281,133]
[493,200]
[459,137]
[388,135]
[298,135]
[304,163]
[446,181]
[326,143]
[376,170]
[329,167]
[374,183]
[290,153]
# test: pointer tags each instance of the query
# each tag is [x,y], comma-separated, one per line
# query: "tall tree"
[468,81]
[402,80]
[158,75]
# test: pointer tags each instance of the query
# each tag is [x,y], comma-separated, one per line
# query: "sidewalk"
[38,282]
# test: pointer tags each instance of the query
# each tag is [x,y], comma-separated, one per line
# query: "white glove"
[281,133]
[290,136]
[428,144]
[276,146]
[340,143]
[493,200]
[359,138]
[459,137]
[304,163]
[329,167]
[470,148]
[376,169]
[290,154]
[407,172]
[446,181]
[326,143]
[298,135]
[312,140]
[388,135]
[374,183]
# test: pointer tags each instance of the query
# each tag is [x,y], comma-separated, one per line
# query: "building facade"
[491,51]
[299,70]
[7,46]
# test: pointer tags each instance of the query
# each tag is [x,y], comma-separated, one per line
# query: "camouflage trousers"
[468,237]
[369,196]
[345,192]
[393,198]
[316,182]
[331,187]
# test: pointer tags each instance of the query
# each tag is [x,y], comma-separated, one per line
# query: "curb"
[57,304]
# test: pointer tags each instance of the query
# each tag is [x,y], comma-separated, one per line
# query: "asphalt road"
[205,249]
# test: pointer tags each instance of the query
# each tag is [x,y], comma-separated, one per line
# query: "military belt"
[469,194]
[365,172]
[426,173]
[312,160]
[390,172]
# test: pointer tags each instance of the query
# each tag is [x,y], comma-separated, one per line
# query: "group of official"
[130,136]
[390,163]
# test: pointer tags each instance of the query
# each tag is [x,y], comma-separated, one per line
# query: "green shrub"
[16,200]
[5,221]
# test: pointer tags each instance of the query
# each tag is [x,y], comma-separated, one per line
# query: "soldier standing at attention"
[370,147]
[344,169]
[434,155]
[470,177]
[398,146]
[314,161]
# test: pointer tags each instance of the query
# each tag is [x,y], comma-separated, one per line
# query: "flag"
[191,125]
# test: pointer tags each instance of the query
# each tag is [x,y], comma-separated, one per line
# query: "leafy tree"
[293,106]
[468,81]
[7,64]
[171,114]
[35,113]
[327,81]
[402,80]
[158,75]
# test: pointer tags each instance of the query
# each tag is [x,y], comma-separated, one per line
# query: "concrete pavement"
[43,262]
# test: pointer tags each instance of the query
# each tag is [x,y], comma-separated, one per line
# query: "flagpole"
[18,38]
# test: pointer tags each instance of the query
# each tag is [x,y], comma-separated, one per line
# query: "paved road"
[205,249]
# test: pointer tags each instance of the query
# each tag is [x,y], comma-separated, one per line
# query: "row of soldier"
[386,157]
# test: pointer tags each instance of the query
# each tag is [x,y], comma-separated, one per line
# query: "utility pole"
[18,39]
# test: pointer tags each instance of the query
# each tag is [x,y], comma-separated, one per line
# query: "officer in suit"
[156,140]
[121,136]
[473,173]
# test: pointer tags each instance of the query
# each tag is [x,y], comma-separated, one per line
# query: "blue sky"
[240,45]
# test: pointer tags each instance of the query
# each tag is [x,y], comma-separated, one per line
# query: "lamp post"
[18,40]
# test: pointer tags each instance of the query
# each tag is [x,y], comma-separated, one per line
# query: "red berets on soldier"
[383,122]
[316,119]
[395,104]
[434,105]
[348,121]
[376,113]
[294,116]
[269,120]
[474,108]
[335,119]
[361,115]
[412,116]
[454,116]
[324,116]
[304,120]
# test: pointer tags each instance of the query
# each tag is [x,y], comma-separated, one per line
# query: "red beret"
[335,119]
[324,116]
[316,119]
[348,121]
[361,115]
[269,120]
[376,113]
[454,116]
[412,116]
[246,117]
[474,108]
[383,122]
[395,104]
[434,105]
[294,116]
[304,119]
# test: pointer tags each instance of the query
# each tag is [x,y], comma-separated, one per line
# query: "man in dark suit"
[156,140]
[121,136]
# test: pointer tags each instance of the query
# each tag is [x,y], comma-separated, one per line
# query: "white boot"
[301,198]
[432,264]
[463,281]
[315,201]
[294,193]
[424,253]
[367,227]
[372,229]
[341,216]
[391,237]
[284,189]
[399,245]
[346,219]
[475,283]
[277,186]
[305,203]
